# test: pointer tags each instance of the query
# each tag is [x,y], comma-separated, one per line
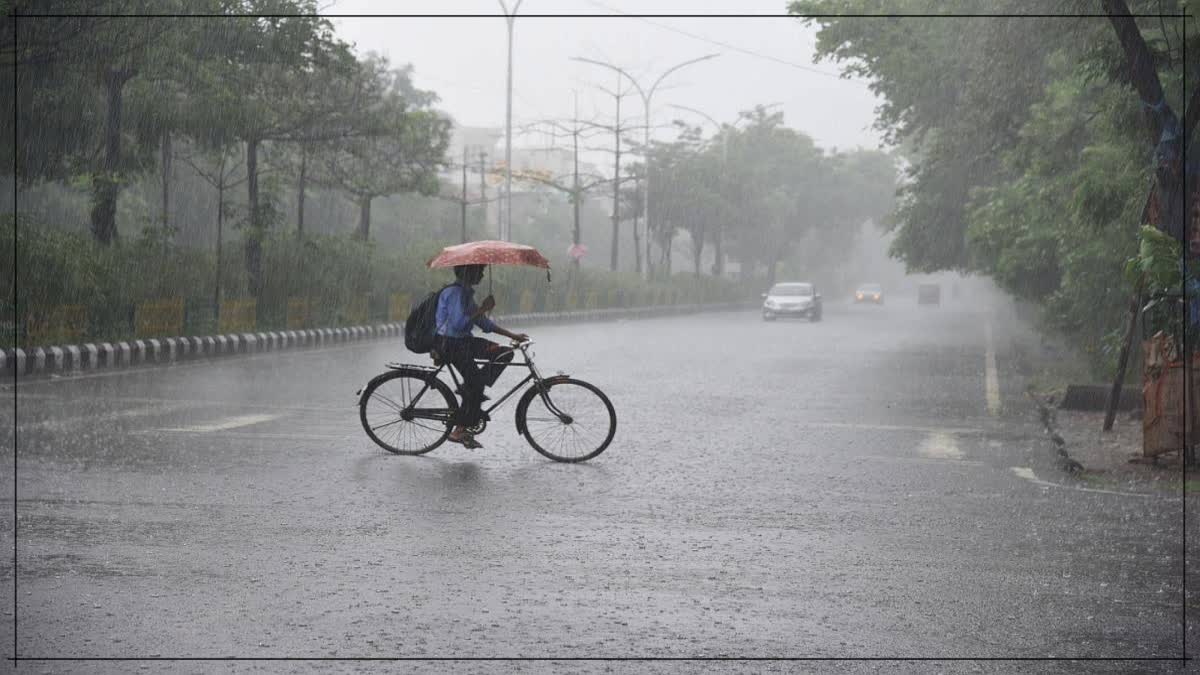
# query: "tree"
[285,78]
[74,72]
[1028,154]
[402,151]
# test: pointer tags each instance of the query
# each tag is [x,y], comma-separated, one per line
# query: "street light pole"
[506,226]
[647,96]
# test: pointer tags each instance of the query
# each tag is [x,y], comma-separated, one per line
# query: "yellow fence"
[237,316]
[527,299]
[64,324]
[399,306]
[358,312]
[299,313]
[158,318]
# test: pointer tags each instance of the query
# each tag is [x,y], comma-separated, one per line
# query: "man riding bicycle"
[457,315]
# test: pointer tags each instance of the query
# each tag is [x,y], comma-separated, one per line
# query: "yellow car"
[869,293]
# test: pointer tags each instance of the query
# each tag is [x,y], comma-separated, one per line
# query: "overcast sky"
[463,60]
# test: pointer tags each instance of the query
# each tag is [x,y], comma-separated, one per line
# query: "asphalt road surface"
[873,485]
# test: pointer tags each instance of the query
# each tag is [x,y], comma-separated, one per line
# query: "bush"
[342,281]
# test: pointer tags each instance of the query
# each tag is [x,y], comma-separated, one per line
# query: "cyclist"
[457,315]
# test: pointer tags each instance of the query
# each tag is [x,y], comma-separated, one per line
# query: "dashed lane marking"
[940,445]
[100,418]
[227,423]
[255,436]
[892,427]
[1028,474]
[991,379]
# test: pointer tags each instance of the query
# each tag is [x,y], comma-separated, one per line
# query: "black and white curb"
[53,360]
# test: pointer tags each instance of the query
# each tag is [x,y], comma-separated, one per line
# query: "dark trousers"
[461,353]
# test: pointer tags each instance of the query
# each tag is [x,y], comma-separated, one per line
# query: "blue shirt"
[454,310]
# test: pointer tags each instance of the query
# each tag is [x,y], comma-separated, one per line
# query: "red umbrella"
[489,253]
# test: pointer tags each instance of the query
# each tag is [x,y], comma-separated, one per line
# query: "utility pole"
[576,197]
[647,95]
[483,199]
[616,214]
[618,130]
[463,237]
[506,227]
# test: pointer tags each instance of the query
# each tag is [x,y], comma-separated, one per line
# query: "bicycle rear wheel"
[577,425]
[407,411]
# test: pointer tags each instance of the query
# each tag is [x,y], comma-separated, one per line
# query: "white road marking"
[890,427]
[991,379]
[257,437]
[1028,474]
[100,418]
[228,423]
[940,445]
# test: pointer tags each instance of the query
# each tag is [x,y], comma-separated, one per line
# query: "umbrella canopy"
[489,253]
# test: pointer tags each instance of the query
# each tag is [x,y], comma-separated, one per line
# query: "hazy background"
[764,59]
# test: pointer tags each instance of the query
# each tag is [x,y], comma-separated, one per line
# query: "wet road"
[845,488]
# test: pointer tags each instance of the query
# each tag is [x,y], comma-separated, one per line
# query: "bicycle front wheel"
[572,422]
[407,412]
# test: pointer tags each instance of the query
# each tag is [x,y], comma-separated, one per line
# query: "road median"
[50,360]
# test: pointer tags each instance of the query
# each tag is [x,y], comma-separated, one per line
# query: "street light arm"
[677,67]
[610,66]
[701,113]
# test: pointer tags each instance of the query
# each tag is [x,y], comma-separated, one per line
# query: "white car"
[799,299]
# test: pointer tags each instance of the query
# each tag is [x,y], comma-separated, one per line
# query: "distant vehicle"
[869,293]
[929,294]
[799,299]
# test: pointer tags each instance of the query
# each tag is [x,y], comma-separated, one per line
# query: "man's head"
[469,274]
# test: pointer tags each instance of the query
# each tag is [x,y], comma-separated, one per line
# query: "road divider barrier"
[66,359]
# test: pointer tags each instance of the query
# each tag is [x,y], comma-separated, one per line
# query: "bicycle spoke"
[393,399]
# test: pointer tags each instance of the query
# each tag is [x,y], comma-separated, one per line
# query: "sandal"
[467,441]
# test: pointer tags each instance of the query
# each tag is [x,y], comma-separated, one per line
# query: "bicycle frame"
[527,362]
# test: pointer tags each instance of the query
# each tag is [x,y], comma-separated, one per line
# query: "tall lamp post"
[647,95]
[506,227]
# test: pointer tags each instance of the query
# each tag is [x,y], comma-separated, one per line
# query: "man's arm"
[517,337]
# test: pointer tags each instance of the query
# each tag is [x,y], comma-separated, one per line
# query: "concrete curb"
[56,360]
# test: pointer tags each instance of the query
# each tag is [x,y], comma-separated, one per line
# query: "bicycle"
[563,418]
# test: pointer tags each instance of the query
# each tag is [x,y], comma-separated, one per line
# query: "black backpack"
[419,327]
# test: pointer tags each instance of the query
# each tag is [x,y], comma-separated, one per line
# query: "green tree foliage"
[401,148]
[767,190]
[1027,144]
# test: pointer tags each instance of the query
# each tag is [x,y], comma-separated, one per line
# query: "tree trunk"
[166,179]
[1160,119]
[364,218]
[300,189]
[220,227]
[106,182]
[254,231]
[668,242]
[575,232]
[697,252]
[719,263]
[616,214]
[649,260]
[637,244]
